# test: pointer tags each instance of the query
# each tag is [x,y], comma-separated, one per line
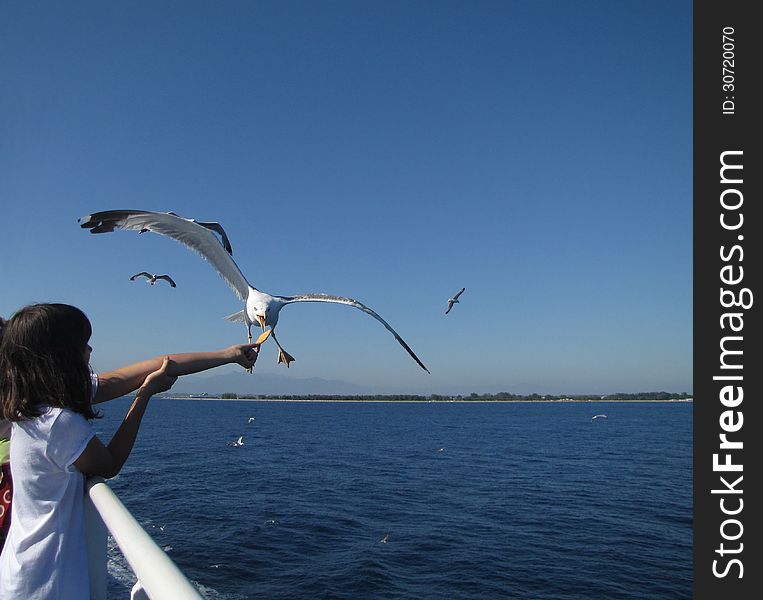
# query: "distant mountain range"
[273,385]
[267,384]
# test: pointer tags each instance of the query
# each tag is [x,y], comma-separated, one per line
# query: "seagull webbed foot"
[284,357]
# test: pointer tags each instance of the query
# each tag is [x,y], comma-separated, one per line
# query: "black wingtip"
[421,364]
[95,225]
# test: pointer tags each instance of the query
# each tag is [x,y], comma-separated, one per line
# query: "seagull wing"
[459,293]
[186,231]
[168,279]
[450,305]
[355,304]
[214,226]
[141,274]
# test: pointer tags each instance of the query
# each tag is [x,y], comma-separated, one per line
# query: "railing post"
[138,593]
[96,538]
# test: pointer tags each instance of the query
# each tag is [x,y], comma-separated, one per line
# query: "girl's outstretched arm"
[107,461]
[119,382]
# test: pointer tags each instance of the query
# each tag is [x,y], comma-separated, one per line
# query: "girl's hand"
[158,381]
[244,354]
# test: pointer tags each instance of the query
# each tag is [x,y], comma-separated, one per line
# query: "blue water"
[477,500]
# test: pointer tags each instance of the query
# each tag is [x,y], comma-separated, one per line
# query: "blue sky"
[536,152]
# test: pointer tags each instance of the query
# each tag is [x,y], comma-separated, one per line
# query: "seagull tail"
[237,317]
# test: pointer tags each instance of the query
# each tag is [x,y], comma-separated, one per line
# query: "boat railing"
[158,577]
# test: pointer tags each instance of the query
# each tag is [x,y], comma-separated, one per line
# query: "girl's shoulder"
[65,416]
[52,416]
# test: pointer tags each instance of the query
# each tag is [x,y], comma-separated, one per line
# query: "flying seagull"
[454,300]
[238,442]
[593,418]
[260,307]
[152,278]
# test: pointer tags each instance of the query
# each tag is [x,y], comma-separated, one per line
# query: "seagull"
[251,419]
[454,300]
[152,278]
[238,442]
[259,307]
[593,418]
[385,538]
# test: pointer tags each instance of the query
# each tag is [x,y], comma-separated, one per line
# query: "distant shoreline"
[377,400]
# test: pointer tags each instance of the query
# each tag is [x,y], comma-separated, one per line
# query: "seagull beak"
[261,320]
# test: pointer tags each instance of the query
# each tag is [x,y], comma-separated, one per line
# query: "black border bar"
[727,365]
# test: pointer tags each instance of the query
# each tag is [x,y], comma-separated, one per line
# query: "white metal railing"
[158,577]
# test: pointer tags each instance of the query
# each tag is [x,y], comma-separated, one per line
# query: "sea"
[394,500]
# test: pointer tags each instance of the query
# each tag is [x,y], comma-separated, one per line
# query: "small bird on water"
[238,442]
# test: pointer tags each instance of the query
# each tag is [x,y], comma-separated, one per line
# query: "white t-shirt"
[45,556]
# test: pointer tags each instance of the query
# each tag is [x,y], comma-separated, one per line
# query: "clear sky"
[536,152]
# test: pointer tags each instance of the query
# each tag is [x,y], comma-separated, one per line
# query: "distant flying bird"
[260,307]
[385,538]
[454,300]
[593,418]
[250,419]
[238,442]
[152,278]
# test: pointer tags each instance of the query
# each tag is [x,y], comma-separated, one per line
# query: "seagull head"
[262,309]
[262,314]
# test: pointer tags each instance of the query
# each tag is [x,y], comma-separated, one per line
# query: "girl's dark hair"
[42,362]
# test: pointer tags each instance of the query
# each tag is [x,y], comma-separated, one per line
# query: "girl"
[6,487]
[47,391]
